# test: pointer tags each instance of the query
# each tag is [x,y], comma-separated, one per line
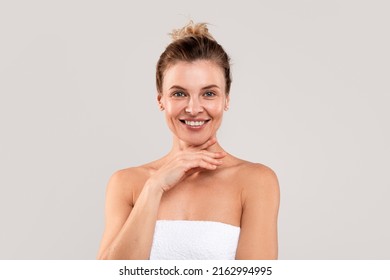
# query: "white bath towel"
[194,240]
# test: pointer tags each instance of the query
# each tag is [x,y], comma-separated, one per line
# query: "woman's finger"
[194,154]
[207,154]
[201,161]
[198,165]
[211,160]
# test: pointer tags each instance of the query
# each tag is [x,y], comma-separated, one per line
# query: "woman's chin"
[195,141]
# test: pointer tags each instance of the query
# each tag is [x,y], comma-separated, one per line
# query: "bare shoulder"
[258,173]
[130,174]
[254,173]
[128,182]
[258,182]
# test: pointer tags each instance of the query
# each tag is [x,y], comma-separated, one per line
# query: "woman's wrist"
[153,187]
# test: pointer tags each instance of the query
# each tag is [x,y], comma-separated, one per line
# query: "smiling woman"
[194,98]
[198,201]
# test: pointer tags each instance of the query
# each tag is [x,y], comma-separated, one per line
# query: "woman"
[198,201]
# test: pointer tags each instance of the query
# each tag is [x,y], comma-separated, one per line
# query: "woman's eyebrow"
[210,86]
[203,88]
[177,87]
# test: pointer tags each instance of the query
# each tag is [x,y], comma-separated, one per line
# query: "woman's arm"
[260,202]
[129,230]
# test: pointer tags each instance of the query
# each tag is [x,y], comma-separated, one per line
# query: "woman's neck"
[180,145]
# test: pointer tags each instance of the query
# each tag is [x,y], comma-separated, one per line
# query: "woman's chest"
[205,199]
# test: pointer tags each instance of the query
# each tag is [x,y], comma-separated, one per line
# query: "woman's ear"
[227,102]
[160,101]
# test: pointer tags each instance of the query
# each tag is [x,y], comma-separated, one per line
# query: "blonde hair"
[191,29]
[190,43]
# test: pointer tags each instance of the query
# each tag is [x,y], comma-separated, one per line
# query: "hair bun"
[191,30]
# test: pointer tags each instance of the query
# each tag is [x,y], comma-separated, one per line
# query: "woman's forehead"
[197,74]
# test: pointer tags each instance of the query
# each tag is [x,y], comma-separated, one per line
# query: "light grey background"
[310,98]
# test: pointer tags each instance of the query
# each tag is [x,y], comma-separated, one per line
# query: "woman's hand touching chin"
[186,162]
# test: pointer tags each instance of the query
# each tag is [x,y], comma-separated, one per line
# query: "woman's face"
[193,96]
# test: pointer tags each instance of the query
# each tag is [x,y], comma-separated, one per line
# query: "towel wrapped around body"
[194,240]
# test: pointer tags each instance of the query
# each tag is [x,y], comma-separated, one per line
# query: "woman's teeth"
[194,123]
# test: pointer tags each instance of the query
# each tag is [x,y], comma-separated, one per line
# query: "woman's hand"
[187,162]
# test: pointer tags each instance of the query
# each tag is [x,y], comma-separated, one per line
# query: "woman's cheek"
[215,108]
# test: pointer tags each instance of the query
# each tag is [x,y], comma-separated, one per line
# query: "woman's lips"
[194,123]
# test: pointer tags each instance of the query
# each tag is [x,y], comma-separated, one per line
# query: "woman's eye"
[209,94]
[179,94]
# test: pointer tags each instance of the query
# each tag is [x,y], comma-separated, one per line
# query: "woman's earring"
[161,107]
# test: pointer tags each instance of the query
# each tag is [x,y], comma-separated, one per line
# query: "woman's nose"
[194,106]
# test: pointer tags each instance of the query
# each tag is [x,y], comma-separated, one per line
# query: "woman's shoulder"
[251,169]
[259,170]
[132,175]
[128,182]
[255,177]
